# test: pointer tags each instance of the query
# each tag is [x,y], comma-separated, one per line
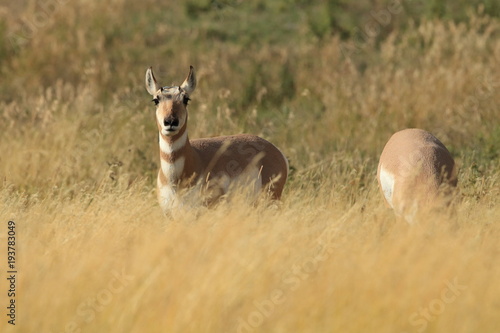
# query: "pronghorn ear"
[151,85]
[189,83]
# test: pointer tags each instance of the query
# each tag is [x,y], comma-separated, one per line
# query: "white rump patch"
[387,184]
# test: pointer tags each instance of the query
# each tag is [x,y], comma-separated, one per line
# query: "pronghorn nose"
[170,121]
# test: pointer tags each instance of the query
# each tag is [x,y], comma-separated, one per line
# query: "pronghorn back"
[414,172]
[228,157]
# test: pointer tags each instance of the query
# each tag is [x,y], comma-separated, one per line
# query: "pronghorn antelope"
[215,162]
[413,166]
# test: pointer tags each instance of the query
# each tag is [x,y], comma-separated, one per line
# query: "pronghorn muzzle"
[171,123]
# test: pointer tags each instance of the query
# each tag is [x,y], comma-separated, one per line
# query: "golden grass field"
[79,156]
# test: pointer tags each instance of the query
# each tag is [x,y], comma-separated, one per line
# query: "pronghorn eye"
[185,100]
[156,100]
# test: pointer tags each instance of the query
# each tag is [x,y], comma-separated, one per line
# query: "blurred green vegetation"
[79,34]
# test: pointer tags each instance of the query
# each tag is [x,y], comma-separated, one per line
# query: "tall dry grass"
[111,263]
[78,153]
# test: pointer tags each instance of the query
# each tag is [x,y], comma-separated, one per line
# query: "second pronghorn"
[215,162]
[415,172]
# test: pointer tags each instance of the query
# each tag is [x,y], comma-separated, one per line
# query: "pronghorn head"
[171,102]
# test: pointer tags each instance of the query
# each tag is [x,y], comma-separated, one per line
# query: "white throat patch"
[167,148]
[173,171]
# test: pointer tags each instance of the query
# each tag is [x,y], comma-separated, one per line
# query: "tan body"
[214,163]
[413,168]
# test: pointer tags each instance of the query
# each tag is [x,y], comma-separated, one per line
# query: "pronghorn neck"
[175,153]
